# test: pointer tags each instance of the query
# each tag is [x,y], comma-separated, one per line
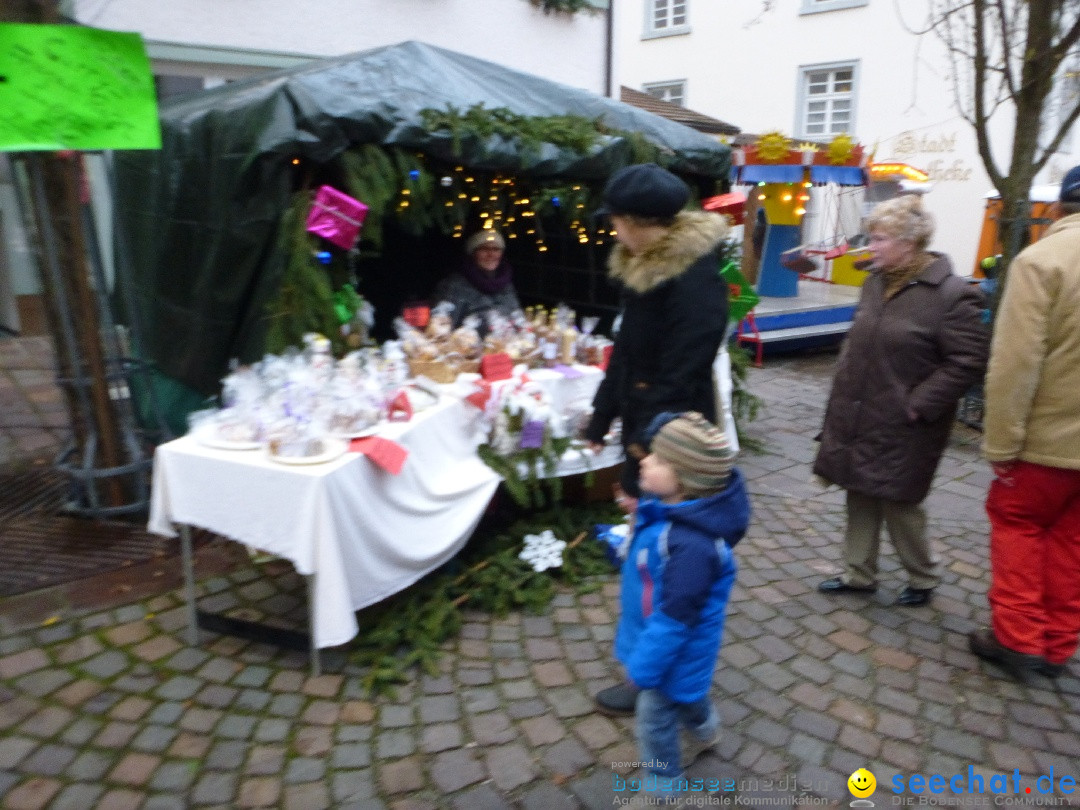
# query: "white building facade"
[813,69]
[227,40]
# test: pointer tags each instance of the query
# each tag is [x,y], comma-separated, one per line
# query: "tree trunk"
[1036,84]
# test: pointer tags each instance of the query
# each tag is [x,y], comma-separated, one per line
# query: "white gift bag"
[722,388]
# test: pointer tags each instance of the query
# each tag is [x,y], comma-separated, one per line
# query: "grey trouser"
[906,523]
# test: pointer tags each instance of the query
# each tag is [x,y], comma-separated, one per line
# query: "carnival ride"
[807,204]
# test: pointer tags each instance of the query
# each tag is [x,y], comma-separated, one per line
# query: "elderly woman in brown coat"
[916,345]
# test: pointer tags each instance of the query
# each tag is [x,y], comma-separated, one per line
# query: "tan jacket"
[1033,382]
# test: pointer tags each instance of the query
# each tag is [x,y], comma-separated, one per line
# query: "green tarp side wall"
[199,218]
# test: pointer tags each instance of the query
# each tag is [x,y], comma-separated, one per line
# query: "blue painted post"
[775,280]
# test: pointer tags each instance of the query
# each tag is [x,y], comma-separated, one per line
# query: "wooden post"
[62,182]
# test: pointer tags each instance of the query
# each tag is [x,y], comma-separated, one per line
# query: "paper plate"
[334,449]
[209,439]
[359,434]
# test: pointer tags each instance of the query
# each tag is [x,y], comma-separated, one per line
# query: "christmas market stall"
[280,253]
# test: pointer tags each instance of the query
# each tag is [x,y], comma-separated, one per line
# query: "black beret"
[644,190]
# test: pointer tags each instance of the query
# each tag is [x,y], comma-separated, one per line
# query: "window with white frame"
[674,92]
[827,100]
[666,17]
[816,6]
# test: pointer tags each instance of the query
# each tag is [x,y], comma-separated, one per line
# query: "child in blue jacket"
[676,580]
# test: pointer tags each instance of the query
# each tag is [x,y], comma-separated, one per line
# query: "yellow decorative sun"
[840,149]
[862,783]
[773,147]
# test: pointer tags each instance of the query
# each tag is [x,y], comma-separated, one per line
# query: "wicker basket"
[442,371]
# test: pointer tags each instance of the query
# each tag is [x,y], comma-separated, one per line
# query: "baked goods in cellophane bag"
[513,336]
[590,347]
[240,423]
[539,337]
[303,406]
[353,403]
[441,352]
[294,386]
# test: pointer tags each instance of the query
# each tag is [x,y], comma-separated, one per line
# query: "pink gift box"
[336,217]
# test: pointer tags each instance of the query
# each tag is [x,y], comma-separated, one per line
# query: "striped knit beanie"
[698,451]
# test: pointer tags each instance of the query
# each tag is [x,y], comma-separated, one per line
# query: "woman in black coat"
[674,309]
[916,345]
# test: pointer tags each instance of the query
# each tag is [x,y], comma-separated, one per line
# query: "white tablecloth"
[363,533]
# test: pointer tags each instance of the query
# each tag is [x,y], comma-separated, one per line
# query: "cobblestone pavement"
[33,417]
[109,708]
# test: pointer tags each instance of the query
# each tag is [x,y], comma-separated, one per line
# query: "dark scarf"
[488,283]
[896,278]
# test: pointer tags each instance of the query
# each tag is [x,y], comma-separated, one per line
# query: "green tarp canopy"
[197,221]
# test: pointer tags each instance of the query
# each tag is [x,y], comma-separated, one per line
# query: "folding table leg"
[239,628]
[316,657]
[189,585]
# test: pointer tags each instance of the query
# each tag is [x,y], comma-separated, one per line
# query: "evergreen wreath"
[566,6]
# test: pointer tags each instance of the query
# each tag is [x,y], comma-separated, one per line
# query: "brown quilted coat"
[921,350]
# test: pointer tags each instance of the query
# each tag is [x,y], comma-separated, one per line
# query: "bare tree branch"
[1004,57]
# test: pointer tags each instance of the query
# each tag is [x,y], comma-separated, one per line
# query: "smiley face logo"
[862,783]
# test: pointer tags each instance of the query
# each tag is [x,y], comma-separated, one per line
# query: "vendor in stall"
[483,282]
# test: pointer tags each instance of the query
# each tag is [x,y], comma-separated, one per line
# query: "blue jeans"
[659,719]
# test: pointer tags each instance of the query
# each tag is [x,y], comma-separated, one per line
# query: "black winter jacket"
[674,315]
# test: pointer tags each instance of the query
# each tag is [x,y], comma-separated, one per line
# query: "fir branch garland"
[305,298]
[372,177]
[573,132]
[538,487]
[745,405]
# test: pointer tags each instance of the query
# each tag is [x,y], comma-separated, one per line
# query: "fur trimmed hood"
[693,235]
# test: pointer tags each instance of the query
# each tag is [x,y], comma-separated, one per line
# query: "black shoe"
[984,644]
[617,700]
[914,597]
[837,585]
[1051,670]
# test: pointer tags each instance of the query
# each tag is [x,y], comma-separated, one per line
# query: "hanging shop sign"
[68,87]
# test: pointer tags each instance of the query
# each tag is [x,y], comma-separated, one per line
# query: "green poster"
[68,87]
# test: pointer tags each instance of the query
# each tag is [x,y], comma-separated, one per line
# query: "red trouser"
[1035,560]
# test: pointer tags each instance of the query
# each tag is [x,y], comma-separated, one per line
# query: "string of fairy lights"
[517,208]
